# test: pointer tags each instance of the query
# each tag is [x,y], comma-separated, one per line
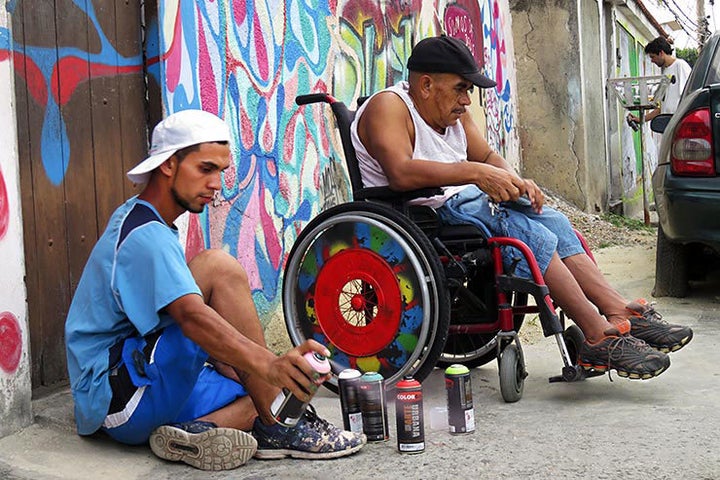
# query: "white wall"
[15,406]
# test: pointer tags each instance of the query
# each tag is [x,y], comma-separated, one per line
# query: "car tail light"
[692,148]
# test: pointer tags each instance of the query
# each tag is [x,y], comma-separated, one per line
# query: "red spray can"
[409,416]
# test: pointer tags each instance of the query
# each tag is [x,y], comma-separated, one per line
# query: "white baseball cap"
[179,130]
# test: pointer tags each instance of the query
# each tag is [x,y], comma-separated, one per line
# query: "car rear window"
[706,68]
[713,75]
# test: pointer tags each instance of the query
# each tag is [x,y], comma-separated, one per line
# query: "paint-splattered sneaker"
[312,438]
[647,324]
[203,445]
[628,356]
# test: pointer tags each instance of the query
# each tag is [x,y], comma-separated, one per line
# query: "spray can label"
[373,407]
[349,387]
[461,416]
[287,409]
[409,416]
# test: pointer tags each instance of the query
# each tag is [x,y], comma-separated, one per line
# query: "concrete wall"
[15,408]
[247,62]
[560,102]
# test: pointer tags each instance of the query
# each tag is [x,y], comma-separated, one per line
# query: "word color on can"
[287,409]
[373,407]
[349,387]
[461,416]
[409,416]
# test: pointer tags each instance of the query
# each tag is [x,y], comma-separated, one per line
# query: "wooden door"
[82,123]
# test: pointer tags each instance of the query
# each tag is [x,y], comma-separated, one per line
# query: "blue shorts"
[161,379]
[545,233]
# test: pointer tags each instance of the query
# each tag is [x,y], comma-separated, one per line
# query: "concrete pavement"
[657,429]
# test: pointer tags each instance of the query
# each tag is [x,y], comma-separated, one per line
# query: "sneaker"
[203,445]
[312,438]
[647,324]
[620,351]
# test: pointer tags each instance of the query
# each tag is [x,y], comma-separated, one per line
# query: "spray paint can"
[349,387]
[373,407]
[287,409]
[409,416]
[461,416]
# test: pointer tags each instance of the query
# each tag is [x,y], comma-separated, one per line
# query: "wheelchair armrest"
[393,196]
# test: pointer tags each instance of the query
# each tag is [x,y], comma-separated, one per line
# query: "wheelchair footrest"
[574,373]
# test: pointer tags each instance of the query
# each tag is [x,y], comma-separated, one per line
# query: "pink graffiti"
[460,22]
[10,342]
[208,89]
[498,44]
[4,208]
[173,57]
[195,241]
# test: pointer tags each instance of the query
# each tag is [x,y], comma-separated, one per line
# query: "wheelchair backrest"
[344,117]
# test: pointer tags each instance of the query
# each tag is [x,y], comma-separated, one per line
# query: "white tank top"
[450,147]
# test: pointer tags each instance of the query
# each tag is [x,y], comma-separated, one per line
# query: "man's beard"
[184,203]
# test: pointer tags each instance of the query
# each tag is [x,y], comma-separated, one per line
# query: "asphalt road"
[664,428]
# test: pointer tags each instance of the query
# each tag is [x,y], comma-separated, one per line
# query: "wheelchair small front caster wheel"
[512,374]
[573,373]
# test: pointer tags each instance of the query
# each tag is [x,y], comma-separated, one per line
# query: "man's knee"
[215,265]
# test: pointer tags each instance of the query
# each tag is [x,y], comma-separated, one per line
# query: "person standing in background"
[660,52]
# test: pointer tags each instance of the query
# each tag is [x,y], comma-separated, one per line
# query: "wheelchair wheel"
[511,369]
[364,281]
[477,349]
[573,338]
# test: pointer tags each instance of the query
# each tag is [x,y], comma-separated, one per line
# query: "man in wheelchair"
[418,134]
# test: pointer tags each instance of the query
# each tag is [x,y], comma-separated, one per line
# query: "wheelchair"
[388,288]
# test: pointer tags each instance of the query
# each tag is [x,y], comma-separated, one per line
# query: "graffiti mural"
[41,67]
[499,106]
[246,61]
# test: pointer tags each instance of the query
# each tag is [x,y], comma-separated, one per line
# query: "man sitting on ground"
[174,353]
[418,134]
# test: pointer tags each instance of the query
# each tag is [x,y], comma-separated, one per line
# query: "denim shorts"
[159,379]
[545,233]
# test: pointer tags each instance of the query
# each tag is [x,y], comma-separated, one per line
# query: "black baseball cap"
[445,54]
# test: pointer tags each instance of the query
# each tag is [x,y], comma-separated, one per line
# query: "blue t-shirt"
[136,269]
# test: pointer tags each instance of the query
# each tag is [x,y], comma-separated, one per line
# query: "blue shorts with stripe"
[160,379]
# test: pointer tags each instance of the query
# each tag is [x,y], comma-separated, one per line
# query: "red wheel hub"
[358,303]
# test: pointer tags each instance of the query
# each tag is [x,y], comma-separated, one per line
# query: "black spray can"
[409,416]
[349,387]
[373,407]
[461,416]
[287,409]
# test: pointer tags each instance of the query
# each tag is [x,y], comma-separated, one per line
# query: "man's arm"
[387,132]
[221,341]
[648,116]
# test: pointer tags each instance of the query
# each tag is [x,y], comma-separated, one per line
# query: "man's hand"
[293,372]
[536,196]
[499,184]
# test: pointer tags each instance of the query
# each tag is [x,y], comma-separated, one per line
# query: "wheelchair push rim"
[360,282]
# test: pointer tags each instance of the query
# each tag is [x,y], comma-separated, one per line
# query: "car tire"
[671,268]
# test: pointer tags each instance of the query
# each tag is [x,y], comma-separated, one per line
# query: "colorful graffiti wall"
[247,61]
